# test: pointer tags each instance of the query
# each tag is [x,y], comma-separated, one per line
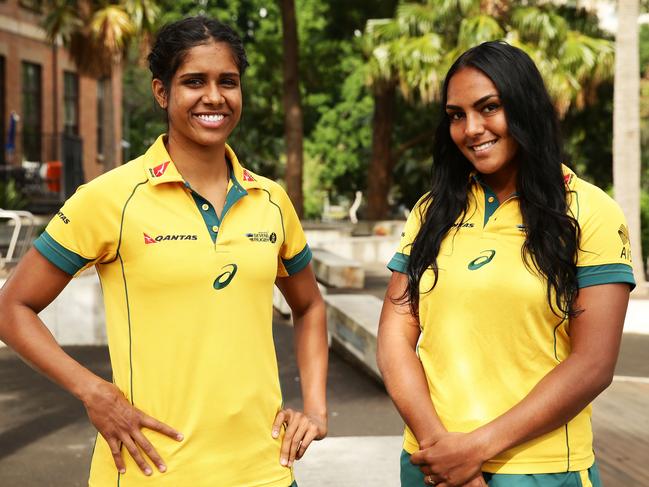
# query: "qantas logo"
[64,218]
[567,178]
[158,171]
[247,176]
[148,239]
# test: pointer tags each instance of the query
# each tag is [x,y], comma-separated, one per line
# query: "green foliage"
[143,119]
[335,66]
[340,143]
[330,53]
[644,49]
[11,198]
[644,225]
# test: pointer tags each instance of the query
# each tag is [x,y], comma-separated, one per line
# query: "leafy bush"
[11,197]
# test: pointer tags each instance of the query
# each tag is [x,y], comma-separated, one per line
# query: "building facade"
[51,116]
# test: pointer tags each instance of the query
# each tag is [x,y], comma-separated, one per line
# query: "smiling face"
[478,125]
[203,102]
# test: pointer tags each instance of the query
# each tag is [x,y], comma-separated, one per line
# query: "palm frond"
[478,29]
[544,28]
[61,19]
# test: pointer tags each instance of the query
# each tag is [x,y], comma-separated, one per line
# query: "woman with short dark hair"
[503,317]
[188,245]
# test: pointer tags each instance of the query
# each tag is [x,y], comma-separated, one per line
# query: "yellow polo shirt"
[188,298]
[488,335]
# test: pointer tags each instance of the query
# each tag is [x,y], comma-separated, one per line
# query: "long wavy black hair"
[551,233]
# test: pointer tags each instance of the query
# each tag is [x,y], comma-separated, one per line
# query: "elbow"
[4,316]
[604,379]
[382,361]
[313,307]
[600,376]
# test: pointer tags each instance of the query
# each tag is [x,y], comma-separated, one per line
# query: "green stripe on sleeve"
[299,262]
[399,263]
[594,275]
[64,259]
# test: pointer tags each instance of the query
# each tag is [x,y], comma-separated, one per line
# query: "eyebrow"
[199,75]
[475,104]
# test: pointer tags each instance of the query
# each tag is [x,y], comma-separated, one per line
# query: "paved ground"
[45,440]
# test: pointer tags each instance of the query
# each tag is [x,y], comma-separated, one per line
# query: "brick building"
[62,115]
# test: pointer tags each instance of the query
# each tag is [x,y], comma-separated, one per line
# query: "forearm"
[312,354]
[553,402]
[406,383]
[595,335]
[24,332]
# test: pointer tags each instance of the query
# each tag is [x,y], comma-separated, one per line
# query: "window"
[32,109]
[70,103]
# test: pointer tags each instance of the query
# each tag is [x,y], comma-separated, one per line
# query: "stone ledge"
[353,321]
[76,316]
[336,271]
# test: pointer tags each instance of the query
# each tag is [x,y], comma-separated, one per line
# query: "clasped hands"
[452,460]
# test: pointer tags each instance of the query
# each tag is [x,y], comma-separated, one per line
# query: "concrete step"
[353,320]
[336,271]
[359,460]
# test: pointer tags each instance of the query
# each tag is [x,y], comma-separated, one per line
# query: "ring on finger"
[429,480]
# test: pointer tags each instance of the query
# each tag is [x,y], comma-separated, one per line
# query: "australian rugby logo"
[148,239]
[262,237]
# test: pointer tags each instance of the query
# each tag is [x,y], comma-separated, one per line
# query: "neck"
[503,183]
[198,165]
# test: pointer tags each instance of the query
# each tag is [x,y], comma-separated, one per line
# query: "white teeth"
[483,146]
[211,118]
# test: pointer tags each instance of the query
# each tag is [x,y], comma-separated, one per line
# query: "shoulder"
[419,210]
[275,190]
[590,203]
[117,184]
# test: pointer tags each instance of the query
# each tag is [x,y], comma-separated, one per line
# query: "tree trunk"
[626,129]
[379,178]
[293,129]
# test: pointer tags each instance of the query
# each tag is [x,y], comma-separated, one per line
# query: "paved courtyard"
[45,439]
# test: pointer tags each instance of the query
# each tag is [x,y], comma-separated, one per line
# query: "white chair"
[22,225]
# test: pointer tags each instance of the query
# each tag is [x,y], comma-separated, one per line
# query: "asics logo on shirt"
[482,260]
[225,278]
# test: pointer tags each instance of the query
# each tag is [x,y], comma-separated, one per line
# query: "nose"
[213,95]
[474,125]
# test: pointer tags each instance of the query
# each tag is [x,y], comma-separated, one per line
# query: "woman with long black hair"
[503,317]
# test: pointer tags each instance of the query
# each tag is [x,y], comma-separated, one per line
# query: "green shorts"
[411,476]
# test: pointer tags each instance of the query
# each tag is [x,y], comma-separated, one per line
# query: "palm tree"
[412,52]
[97,35]
[626,130]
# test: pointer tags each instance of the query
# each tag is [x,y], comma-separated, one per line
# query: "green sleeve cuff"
[594,275]
[299,262]
[64,259]
[399,263]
